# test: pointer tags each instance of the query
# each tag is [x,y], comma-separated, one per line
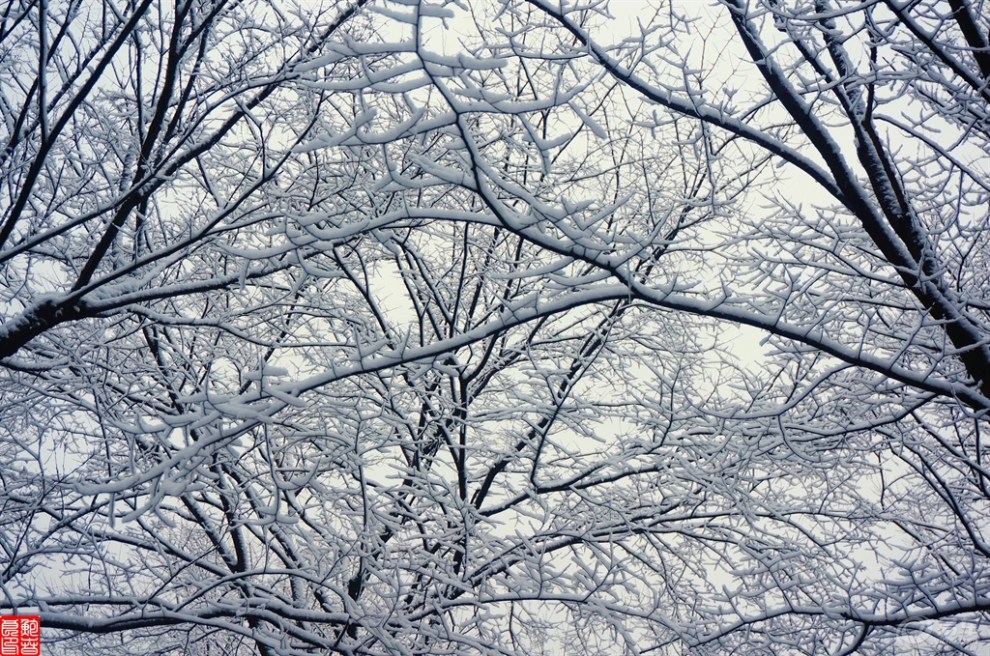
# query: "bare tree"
[867,266]
[406,328]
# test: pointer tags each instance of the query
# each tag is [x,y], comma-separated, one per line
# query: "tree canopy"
[496,327]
